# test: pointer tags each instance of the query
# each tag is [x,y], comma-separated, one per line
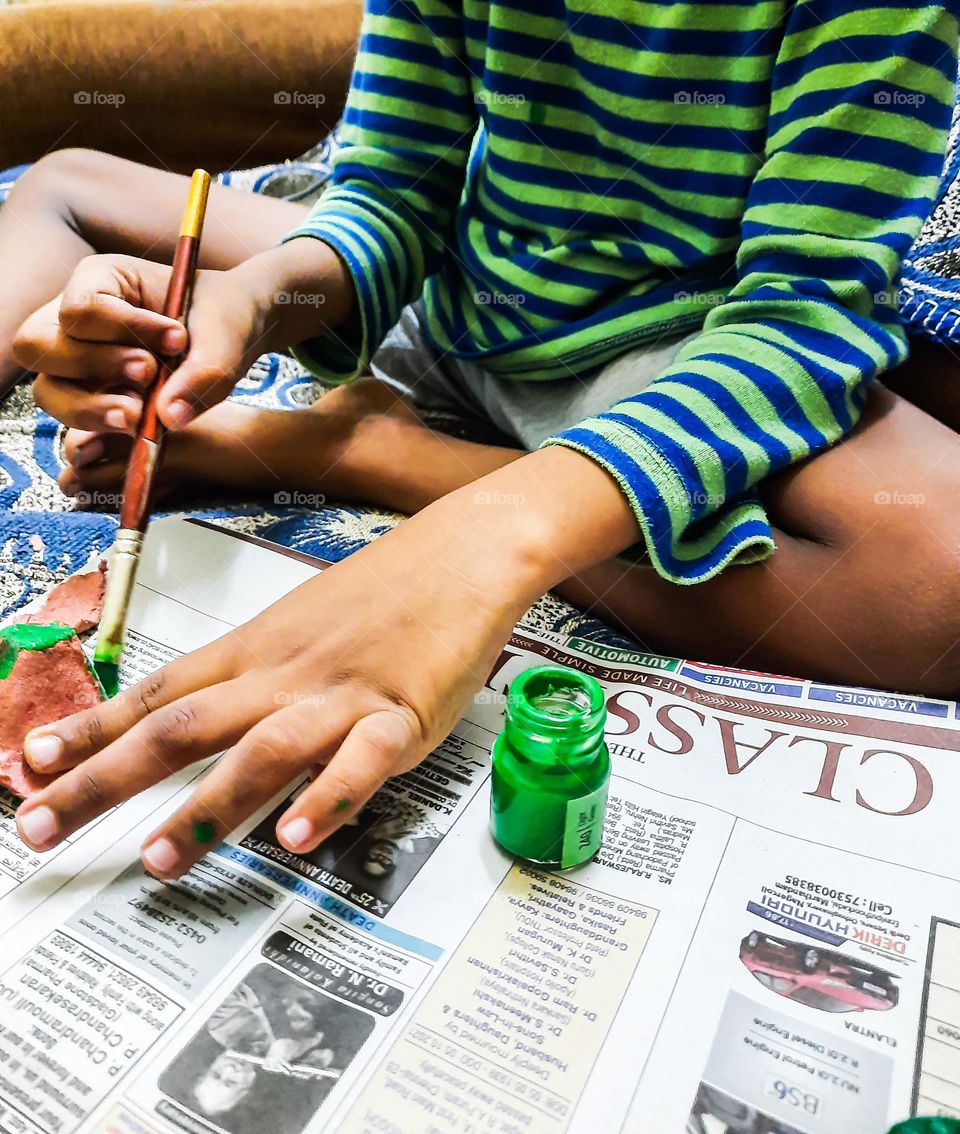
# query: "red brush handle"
[144,456]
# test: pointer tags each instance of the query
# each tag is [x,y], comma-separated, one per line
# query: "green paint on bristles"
[106,664]
[108,675]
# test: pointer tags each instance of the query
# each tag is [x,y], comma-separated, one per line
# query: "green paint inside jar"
[551,768]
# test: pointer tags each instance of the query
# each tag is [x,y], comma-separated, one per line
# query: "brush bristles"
[121,577]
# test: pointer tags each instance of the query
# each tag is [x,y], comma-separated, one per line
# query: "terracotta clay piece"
[44,675]
[75,602]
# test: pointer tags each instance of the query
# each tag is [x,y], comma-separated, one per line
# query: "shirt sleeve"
[861,102]
[407,129]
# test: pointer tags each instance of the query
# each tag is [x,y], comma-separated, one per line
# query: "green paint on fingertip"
[342,805]
[204,832]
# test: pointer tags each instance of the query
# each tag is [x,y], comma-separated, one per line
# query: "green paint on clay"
[342,805]
[20,636]
[204,832]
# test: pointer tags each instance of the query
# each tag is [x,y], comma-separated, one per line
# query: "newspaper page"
[768,940]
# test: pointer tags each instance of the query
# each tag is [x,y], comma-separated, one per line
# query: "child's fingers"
[215,359]
[197,726]
[112,412]
[379,746]
[196,386]
[118,299]
[85,446]
[73,739]
[41,344]
[271,755]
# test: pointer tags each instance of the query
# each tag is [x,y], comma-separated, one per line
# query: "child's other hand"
[95,346]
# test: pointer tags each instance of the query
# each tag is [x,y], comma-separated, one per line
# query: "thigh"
[898,470]
[864,584]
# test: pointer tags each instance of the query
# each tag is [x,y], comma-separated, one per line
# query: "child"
[654,245]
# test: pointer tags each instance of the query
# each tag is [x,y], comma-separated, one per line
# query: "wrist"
[298,289]
[535,522]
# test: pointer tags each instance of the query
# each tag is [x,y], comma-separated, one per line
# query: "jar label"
[583,828]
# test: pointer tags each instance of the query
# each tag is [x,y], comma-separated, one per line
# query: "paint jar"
[551,768]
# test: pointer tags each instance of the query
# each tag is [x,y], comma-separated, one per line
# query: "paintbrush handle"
[145,454]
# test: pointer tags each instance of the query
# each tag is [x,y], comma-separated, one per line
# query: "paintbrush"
[145,455]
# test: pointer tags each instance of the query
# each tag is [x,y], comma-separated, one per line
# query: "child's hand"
[364,669]
[95,346]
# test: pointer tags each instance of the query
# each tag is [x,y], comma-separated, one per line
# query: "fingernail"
[71,486]
[136,370]
[88,453]
[174,340]
[42,751]
[179,414]
[116,419]
[296,833]
[37,827]
[161,857]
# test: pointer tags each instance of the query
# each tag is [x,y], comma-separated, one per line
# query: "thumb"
[214,362]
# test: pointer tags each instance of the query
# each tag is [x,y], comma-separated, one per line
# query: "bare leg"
[863,588]
[76,202]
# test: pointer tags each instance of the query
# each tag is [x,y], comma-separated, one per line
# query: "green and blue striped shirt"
[562,180]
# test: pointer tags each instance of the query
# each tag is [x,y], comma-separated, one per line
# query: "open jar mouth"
[551,703]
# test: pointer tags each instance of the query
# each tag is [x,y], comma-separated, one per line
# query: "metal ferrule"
[121,576]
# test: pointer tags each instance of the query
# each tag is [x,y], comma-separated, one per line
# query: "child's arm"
[861,103]
[365,668]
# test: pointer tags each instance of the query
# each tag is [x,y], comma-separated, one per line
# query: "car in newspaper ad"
[819,978]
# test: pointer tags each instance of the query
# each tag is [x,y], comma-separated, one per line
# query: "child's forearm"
[535,522]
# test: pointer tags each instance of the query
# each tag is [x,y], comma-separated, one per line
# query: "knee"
[58,177]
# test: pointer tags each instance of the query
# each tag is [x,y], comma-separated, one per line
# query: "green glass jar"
[551,768]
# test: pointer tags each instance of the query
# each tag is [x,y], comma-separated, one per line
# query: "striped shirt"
[562,180]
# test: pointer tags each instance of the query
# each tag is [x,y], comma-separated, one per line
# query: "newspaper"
[768,940]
